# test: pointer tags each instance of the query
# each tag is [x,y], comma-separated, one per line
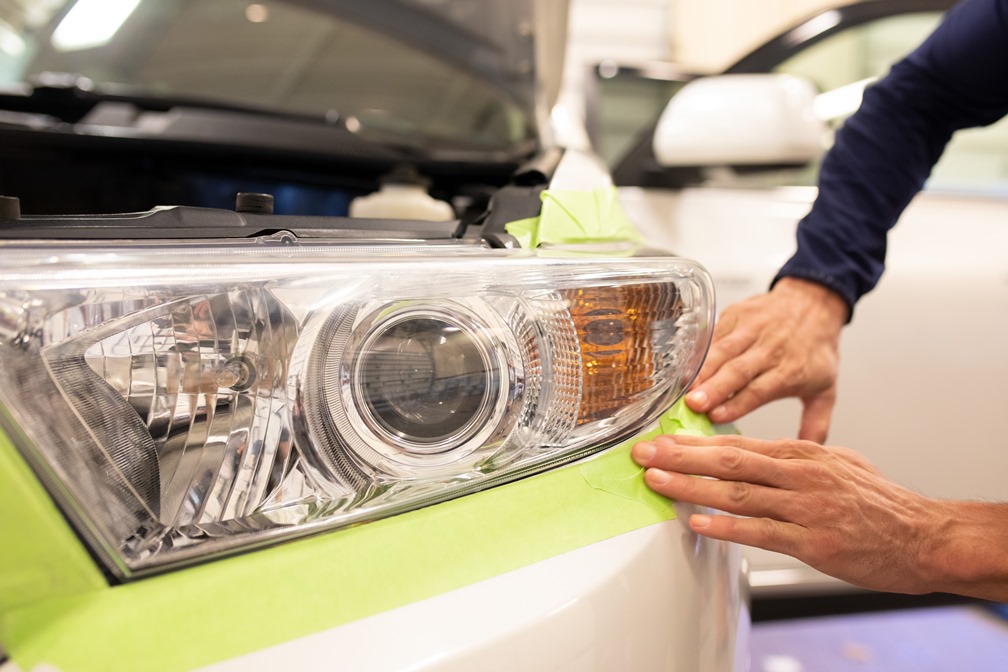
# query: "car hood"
[500,61]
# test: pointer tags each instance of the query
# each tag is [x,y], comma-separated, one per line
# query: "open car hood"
[422,71]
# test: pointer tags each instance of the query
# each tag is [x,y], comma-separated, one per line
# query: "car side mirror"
[741,120]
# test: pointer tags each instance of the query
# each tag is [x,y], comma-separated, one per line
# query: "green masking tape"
[575,217]
[40,556]
[192,617]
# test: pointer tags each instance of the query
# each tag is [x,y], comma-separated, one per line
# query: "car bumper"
[577,568]
[658,598]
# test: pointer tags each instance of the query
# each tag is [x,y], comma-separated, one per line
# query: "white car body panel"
[923,365]
[659,598]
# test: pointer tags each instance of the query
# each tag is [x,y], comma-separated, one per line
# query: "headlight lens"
[182,402]
[426,380]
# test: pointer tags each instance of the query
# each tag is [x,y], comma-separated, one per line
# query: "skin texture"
[832,509]
[784,343]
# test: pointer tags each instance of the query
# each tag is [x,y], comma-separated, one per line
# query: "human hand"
[784,343]
[827,506]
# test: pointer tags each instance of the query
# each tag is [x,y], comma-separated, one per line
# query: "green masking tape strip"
[573,217]
[617,474]
[681,420]
[196,616]
[40,556]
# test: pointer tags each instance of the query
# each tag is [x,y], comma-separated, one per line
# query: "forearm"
[968,552]
[885,151]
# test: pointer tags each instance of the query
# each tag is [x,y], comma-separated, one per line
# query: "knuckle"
[740,368]
[762,390]
[802,448]
[731,459]
[728,346]
[791,375]
[768,533]
[777,349]
[739,493]
[817,472]
[787,449]
[771,529]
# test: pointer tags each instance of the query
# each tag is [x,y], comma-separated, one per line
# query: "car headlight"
[185,401]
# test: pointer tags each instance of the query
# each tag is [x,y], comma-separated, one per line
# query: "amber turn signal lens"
[626,335]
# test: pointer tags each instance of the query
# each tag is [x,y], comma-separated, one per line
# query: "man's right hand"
[784,343]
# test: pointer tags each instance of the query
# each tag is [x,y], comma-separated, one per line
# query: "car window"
[621,102]
[293,57]
[860,52]
[843,64]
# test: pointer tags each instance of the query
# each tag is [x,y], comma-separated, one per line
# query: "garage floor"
[932,639]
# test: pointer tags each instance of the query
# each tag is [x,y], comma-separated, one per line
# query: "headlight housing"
[186,401]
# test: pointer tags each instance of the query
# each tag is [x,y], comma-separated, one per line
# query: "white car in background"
[921,386]
[317,352]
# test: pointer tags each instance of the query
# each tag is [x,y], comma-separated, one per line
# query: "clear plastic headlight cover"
[181,402]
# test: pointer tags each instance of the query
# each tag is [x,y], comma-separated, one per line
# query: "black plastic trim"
[510,204]
[807,33]
[188,223]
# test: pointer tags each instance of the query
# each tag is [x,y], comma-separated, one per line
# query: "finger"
[744,499]
[724,462]
[772,535]
[815,420]
[730,380]
[782,449]
[725,323]
[763,388]
[726,344]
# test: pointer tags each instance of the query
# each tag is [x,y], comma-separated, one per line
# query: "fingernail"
[718,413]
[657,476]
[643,452]
[698,521]
[697,398]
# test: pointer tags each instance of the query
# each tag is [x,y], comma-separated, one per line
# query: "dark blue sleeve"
[957,78]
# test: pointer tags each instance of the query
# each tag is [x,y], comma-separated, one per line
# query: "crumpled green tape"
[575,217]
[616,473]
[681,420]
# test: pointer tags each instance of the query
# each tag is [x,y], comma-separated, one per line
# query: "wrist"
[968,551]
[808,296]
